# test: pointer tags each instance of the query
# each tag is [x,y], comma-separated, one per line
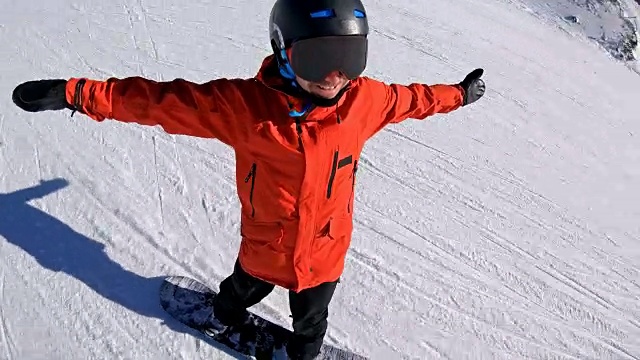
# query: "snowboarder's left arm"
[418,101]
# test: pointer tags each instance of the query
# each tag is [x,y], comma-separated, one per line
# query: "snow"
[612,24]
[505,230]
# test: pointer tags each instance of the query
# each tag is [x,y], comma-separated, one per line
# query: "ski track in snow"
[5,333]
[506,231]
[513,282]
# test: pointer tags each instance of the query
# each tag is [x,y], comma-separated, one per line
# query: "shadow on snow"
[57,247]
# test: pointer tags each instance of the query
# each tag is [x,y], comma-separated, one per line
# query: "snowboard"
[187,300]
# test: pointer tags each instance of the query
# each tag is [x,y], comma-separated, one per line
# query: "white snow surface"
[508,229]
[612,24]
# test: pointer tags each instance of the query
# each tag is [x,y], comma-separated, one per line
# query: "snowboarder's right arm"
[180,107]
[208,110]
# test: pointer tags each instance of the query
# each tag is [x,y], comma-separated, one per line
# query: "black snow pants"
[309,309]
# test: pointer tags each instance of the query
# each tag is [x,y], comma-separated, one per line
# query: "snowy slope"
[506,230]
[612,24]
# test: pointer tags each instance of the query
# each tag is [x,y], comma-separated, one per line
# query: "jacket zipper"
[252,176]
[299,131]
[353,184]
[298,121]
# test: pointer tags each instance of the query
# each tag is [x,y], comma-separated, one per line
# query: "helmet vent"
[329,13]
[323,14]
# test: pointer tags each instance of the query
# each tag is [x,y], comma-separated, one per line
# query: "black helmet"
[324,36]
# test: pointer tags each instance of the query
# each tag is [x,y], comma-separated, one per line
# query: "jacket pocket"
[262,233]
[340,228]
[252,177]
[332,241]
[262,252]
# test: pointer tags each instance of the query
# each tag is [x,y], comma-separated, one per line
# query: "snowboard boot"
[222,321]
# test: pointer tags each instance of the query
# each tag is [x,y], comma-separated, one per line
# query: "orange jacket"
[295,176]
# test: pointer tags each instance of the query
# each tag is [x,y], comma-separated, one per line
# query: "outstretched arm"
[396,103]
[207,110]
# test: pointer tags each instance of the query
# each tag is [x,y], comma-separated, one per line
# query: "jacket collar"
[269,75]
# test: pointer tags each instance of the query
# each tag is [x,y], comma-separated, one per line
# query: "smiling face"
[327,88]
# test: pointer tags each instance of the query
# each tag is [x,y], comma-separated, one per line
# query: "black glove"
[41,95]
[473,86]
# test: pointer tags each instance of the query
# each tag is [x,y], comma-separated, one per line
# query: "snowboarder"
[297,129]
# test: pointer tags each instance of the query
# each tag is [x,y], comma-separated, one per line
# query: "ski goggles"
[313,59]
